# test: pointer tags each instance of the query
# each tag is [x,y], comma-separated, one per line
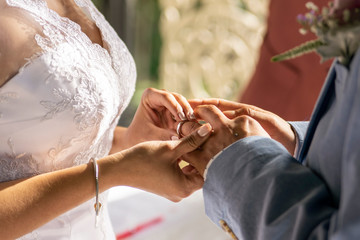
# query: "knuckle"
[244,118]
[211,107]
[243,111]
[177,95]
[148,90]
[273,120]
[147,93]
[167,96]
[191,141]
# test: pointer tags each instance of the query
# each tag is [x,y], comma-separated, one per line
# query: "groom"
[269,179]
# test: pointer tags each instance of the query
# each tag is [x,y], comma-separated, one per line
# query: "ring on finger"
[178,128]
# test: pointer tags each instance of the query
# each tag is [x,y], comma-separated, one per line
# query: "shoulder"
[16,41]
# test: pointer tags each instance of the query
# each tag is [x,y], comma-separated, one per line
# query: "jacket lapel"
[320,108]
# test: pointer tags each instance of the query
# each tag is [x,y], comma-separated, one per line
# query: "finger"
[193,141]
[189,112]
[199,159]
[212,115]
[161,134]
[231,114]
[158,99]
[189,169]
[222,104]
[187,127]
[168,120]
[263,117]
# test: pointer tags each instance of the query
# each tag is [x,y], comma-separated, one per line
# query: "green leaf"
[300,50]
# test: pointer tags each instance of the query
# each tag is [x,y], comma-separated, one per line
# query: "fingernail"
[204,130]
[174,138]
[182,116]
[192,115]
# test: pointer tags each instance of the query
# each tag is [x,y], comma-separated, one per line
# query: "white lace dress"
[60,110]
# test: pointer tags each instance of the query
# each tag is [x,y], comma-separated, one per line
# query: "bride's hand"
[153,166]
[156,116]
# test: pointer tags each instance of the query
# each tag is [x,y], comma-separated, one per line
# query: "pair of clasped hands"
[166,129]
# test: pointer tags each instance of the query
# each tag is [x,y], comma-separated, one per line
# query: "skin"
[152,166]
[17,44]
[228,118]
[275,126]
[26,204]
[156,116]
[278,129]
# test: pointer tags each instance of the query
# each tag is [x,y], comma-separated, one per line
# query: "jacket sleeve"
[262,192]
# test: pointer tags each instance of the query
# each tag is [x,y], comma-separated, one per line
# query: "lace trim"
[17,165]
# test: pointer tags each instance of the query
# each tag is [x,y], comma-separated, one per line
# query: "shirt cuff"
[300,129]
[297,143]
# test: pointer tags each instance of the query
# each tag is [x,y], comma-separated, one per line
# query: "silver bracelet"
[97,204]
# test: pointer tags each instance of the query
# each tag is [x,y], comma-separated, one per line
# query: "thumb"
[194,140]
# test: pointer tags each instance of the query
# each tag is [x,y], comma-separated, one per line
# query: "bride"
[65,79]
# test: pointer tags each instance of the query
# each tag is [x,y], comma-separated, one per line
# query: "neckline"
[91,18]
[56,15]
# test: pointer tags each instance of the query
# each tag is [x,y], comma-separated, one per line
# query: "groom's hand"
[225,132]
[279,129]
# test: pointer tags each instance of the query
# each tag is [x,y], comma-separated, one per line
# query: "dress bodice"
[62,106]
[60,110]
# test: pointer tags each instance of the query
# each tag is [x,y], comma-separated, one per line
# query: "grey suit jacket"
[261,192]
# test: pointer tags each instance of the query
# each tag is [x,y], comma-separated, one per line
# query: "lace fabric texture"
[62,106]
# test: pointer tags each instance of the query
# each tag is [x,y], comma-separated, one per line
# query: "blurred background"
[193,47]
[196,48]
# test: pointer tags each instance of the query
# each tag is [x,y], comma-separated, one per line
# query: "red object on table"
[139,228]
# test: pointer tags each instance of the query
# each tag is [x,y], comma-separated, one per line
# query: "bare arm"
[29,203]
[119,141]
[152,166]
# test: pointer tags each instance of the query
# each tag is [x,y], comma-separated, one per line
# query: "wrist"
[110,171]
[120,140]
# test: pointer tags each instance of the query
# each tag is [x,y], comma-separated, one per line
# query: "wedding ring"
[178,128]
